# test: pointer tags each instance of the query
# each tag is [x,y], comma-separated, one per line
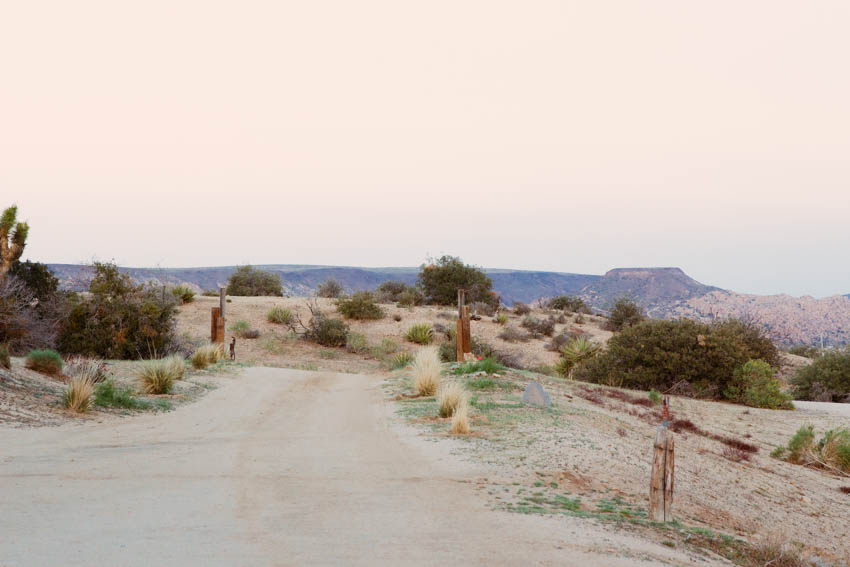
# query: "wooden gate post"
[217,318]
[464,337]
[215,315]
[663,470]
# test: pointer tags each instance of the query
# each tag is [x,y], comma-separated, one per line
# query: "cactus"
[13,238]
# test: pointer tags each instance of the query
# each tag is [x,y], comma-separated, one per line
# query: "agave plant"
[574,353]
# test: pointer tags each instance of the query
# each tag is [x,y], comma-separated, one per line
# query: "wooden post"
[222,300]
[663,470]
[215,315]
[467,333]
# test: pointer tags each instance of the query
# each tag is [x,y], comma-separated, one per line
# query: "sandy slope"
[276,467]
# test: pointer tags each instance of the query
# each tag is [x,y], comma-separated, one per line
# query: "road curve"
[275,467]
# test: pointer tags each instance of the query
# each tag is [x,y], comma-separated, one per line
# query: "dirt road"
[275,467]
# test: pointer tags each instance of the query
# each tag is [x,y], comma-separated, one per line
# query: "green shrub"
[511,334]
[655,397]
[360,305]
[402,359]
[754,384]
[119,320]
[38,279]
[45,361]
[806,351]
[826,379]
[109,395]
[356,343]
[693,358]
[156,376]
[327,332]
[410,297]
[249,281]
[501,318]
[568,303]
[521,308]
[244,330]
[801,443]
[279,315]
[832,451]
[538,327]
[441,278]
[486,365]
[330,288]
[5,361]
[624,313]
[183,294]
[421,333]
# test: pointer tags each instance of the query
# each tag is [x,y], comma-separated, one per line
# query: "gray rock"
[535,395]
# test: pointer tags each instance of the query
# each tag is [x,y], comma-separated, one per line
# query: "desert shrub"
[279,315]
[210,293]
[396,317]
[574,353]
[402,359]
[5,361]
[329,288]
[692,358]
[568,303]
[410,297]
[250,281]
[501,318]
[108,394]
[538,327]
[449,397]
[388,292]
[45,361]
[421,333]
[655,397]
[388,345]
[92,368]
[826,379]
[356,343]
[806,351]
[484,309]
[460,419]
[441,278]
[521,308]
[244,330]
[426,372]
[78,394]
[328,332]
[157,376]
[831,452]
[486,365]
[206,355]
[183,293]
[558,341]
[755,385]
[119,320]
[624,313]
[37,278]
[26,320]
[579,319]
[512,335]
[360,305]
[448,351]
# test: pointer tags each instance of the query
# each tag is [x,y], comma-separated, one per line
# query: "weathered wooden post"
[464,336]
[222,300]
[215,315]
[663,470]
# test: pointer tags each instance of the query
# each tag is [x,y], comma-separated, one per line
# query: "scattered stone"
[535,395]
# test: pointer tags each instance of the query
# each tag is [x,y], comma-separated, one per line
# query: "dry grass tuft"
[176,365]
[775,551]
[460,419]
[206,355]
[426,372]
[78,394]
[450,397]
[85,367]
[156,376]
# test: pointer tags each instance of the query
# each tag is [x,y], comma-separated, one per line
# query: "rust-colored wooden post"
[461,298]
[663,470]
[467,332]
[215,315]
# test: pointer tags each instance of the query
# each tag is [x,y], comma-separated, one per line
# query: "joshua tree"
[13,238]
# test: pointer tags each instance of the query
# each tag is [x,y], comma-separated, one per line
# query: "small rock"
[535,395]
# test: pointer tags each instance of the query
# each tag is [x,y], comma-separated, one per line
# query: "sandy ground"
[275,348]
[274,467]
[598,454]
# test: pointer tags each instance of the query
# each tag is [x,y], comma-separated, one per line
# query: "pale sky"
[564,136]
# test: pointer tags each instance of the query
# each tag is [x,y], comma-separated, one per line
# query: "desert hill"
[664,293]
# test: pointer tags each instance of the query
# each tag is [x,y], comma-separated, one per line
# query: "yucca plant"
[421,333]
[574,353]
[402,359]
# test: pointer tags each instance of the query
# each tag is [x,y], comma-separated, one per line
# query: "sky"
[562,136]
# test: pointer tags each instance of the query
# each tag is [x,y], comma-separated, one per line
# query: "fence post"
[663,470]
[215,315]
